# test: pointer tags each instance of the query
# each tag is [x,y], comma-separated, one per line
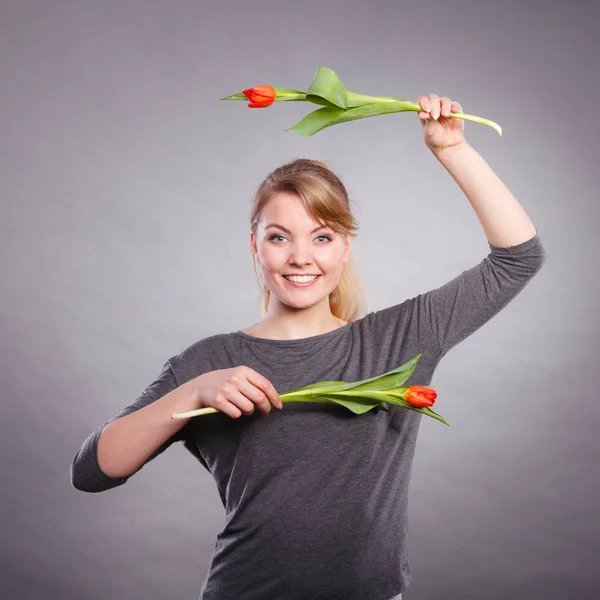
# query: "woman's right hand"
[235,391]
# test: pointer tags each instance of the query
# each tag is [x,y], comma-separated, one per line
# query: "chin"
[306,303]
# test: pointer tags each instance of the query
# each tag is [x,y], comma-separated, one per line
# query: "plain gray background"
[125,188]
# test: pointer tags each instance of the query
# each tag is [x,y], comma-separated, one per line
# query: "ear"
[253,244]
[347,248]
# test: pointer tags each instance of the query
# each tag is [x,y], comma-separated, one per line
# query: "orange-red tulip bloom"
[260,96]
[420,396]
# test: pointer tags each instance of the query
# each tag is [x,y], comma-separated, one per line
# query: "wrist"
[186,397]
[451,153]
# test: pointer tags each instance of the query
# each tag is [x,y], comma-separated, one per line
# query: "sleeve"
[455,310]
[86,474]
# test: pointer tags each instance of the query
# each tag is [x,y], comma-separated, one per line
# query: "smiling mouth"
[308,282]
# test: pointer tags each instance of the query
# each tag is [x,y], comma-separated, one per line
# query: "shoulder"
[381,319]
[214,352]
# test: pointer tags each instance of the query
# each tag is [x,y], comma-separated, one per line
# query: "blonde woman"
[315,496]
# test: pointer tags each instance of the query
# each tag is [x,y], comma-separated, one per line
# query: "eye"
[275,235]
[278,235]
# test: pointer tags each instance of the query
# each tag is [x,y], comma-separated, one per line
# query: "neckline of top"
[295,341]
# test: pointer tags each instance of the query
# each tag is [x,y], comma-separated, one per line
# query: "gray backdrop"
[125,189]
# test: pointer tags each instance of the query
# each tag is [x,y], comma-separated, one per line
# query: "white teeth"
[303,279]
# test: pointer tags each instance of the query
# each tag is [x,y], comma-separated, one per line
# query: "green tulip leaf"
[322,386]
[357,406]
[390,380]
[239,96]
[327,89]
[288,95]
[427,411]
[325,117]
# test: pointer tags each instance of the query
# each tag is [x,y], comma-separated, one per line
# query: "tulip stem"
[300,396]
[406,105]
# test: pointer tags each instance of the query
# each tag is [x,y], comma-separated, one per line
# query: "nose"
[300,254]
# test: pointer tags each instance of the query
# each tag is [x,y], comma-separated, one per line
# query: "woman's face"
[288,243]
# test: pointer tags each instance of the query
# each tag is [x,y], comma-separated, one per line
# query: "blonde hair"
[326,201]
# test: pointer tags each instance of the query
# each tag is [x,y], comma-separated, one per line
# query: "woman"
[316,496]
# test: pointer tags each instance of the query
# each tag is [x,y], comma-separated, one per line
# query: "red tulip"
[260,96]
[420,396]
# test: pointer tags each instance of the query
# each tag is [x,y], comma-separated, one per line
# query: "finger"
[256,395]
[425,103]
[224,405]
[446,103]
[435,105]
[238,400]
[456,107]
[263,384]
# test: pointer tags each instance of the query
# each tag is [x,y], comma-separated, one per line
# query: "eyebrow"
[288,231]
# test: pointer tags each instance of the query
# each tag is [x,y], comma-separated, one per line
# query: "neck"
[291,324]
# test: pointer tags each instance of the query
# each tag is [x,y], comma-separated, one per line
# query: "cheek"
[272,258]
[331,259]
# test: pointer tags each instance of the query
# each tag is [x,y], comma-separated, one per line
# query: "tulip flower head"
[260,96]
[419,396]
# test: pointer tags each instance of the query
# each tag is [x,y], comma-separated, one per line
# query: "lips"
[301,283]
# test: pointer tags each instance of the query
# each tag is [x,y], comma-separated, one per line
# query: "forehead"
[286,209]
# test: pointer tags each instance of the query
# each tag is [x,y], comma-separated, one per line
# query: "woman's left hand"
[439,130]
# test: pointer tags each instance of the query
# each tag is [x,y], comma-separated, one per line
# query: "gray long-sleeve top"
[315,496]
